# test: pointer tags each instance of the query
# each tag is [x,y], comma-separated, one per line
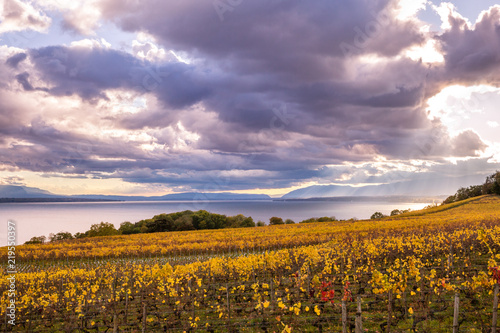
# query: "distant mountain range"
[23,192]
[182,197]
[12,191]
[414,188]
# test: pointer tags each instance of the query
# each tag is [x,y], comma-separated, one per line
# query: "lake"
[36,219]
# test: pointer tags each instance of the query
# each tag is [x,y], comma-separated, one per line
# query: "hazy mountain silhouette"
[23,192]
[428,187]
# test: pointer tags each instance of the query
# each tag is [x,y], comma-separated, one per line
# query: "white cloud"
[82,16]
[91,43]
[18,16]
[455,104]
[146,47]
[150,51]
[486,12]
[429,52]
[493,152]
[408,9]
[448,13]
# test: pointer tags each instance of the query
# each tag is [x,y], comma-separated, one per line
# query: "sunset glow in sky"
[253,96]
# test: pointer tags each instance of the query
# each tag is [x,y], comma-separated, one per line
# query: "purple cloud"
[268,93]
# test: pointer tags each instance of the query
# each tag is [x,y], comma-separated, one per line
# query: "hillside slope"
[475,210]
[246,279]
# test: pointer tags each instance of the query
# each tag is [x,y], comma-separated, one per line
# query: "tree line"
[179,221]
[202,219]
[490,186]
[395,212]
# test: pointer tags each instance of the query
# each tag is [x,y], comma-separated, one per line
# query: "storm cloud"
[473,53]
[268,93]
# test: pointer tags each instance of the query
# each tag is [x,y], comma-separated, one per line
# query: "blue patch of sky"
[33,39]
[467,8]
[471,9]
[57,35]
[118,39]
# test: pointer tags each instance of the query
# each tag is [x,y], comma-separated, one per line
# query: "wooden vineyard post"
[144,317]
[127,297]
[299,278]
[404,304]
[389,310]
[359,320]
[456,311]
[495,310]
[126,307]
[344,317]
[450,260]
[271,285]
[115,319]
[190,295]
[308,280]
[228,303]
[143,302]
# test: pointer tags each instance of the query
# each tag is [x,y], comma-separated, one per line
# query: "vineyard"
[434,270]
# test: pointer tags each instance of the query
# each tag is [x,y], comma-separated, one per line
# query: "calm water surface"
[36,219]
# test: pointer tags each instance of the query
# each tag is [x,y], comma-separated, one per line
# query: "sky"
[150,97]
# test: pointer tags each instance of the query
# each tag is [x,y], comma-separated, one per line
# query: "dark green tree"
[247,223]
[327,219]
[62,235]
[450,199]
[276,220]
[492,184]
[184,223]
[102,229]
[160,223]
[129,228]
[310,220]
[396,212]
[37,240]
[377,215]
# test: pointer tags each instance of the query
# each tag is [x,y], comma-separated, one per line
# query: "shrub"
[37,240]
[129,228]
[276,220]
[396,212]
[60,236]
[377,215]
[102,229]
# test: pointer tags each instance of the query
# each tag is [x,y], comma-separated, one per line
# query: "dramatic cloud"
[467,143]
[473,54]
[264,94]
[300,41]
[16,59]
